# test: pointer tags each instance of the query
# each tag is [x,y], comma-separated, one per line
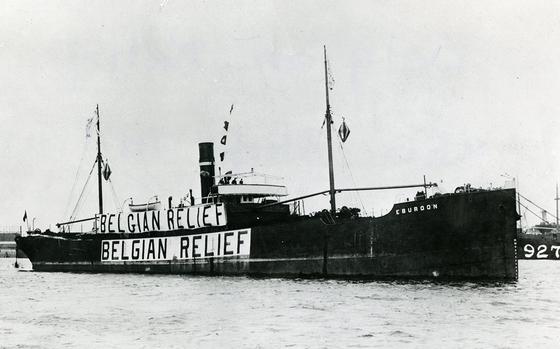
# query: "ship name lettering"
[208,245]
[170,220]
[124,257]
[412,209]
[155,221]
[135,249]
[184,247]
[111,216]
[151,249]
[131,225]
[195,246]
[179,216]
[227,243]
[206,252]
[190,218]
[205,215]
[119,225]
[239,240]
[114,249]
[119,250]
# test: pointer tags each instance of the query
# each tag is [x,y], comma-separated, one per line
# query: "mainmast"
[99,160]
[556,199]
[328,121]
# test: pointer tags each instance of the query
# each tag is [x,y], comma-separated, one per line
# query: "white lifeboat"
[151,206]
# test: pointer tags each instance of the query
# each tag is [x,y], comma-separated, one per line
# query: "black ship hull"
[538,246]
[456,236]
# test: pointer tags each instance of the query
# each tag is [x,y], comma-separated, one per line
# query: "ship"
[241,225]
[541,241]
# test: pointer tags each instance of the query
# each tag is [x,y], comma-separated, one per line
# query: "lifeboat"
[151,206]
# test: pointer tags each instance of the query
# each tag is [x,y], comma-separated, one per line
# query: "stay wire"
[84,150]
[553,216]
[528,209]
[351,174]
[115,196]
[72,216]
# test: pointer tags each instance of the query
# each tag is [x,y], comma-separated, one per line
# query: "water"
[63,310]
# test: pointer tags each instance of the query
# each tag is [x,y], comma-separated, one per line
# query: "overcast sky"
[461,91]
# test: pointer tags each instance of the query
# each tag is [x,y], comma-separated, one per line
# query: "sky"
[461,92]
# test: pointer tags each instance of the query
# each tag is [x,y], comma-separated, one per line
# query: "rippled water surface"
[63,310]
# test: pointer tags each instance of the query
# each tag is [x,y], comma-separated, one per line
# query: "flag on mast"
[343,131]
[331,77]
[88,127]
[107,171]
[223,140]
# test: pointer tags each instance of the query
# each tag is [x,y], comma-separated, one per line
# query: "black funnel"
[206,162]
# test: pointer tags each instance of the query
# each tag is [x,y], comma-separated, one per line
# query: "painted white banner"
[220,244]
[190,218]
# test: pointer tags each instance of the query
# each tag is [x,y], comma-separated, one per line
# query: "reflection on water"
[66,310]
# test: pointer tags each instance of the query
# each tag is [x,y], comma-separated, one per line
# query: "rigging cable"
[351,175]
[72,216]
[84,150]
[553,216]
[115,196]
[528,209]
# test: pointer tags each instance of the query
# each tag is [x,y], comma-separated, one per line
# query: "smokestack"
[206,162]
[544,217]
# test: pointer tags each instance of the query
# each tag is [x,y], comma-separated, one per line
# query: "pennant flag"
[331,78]
[107,171]
[223,140]
[343,131]
[88,127]
[231,109]
[226,125]
[25,216]
[222,155]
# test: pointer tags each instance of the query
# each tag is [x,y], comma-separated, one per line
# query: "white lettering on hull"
[189,218]
[219,244]
[542,251]
[415,209]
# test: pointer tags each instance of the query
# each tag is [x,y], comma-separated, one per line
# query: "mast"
[328,121]
[556,199]
[99,159]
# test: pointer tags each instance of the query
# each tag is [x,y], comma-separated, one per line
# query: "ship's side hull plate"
[461,236]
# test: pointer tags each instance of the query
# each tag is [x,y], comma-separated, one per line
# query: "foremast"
[99,160]
[328,121]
